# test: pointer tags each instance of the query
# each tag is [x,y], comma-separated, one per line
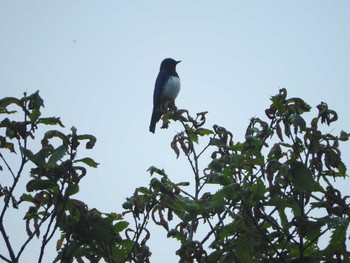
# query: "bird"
[166,89]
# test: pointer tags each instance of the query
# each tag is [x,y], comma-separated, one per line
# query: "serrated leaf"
[9,100]
[154,169]
[228,192]
[35,185]
[57,155]
[344,136]
[297,121]
[298,105]
[312,229]
[185,208]
[338,241]
[194,137]
[218,178]
[35,101]
[88,161]
[30,155]
[50,121]
[34,115]
[202,131]
[303,179]
[217,142]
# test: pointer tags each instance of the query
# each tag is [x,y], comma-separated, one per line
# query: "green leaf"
[278,102]
[303,179]
[35,158]
[193,137]
[342,170]
[297,121]
[156,170]
[91,140]
[27,198]
[208,205]
[173,233]
[88,161]
[120,226]
[183,184]
[344,136]
[35,101]
[298,105]
[50,121]
[312,229]
[283,216]
[143,190]
[9,100]
[217,142]
[185,208]
[203,132]
[72,189]
[54,133]
[57,155]
[35,185]
[243,250]
[218,178]
[34,115]
[127,244]
[337,243]
[229,192]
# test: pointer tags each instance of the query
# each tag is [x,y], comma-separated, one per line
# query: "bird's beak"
[177,62]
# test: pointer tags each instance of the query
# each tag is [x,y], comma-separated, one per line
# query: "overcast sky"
[95,64]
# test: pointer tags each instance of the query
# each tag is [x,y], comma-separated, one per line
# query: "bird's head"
[169,64]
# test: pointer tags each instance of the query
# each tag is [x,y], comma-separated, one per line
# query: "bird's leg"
[172,105]
[168,105]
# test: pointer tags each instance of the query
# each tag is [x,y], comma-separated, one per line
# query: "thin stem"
[54,215]
[220,222]
[31,236]
[5,259]
[205,148]
[8,166]
[6,205]
[263,234]
[139,230]
[7,242]
[9,194]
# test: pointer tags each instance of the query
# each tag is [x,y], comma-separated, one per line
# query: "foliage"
[55,174]
[267,199]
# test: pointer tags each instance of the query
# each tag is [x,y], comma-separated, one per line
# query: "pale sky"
[95,64]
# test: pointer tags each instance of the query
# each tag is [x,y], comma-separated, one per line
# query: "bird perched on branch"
[166,89]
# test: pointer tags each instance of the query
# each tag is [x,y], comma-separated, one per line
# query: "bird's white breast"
[171,88]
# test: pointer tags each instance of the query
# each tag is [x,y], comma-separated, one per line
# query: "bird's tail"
[155,118]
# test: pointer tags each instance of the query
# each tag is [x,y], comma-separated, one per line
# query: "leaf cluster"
[55,172]
[266,199]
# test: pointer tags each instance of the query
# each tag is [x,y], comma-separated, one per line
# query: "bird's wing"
[162,78]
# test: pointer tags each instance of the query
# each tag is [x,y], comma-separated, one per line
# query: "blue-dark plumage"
[166,88]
